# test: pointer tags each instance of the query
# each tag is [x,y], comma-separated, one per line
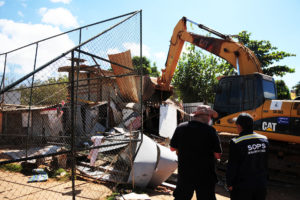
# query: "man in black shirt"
[246,175]
[197,145]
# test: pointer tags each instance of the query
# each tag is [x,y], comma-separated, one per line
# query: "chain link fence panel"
[71,125]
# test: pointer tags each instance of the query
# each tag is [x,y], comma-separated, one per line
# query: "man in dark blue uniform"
[246,175]
[197,145]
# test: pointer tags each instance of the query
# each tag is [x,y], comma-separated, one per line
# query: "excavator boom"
[242,58]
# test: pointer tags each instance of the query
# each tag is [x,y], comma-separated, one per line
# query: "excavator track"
[283,160]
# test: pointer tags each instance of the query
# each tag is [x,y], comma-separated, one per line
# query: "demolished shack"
[108,105]
[37,123]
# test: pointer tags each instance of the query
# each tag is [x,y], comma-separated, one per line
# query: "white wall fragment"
[167,120]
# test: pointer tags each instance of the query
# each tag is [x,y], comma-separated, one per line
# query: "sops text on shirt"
[256,148]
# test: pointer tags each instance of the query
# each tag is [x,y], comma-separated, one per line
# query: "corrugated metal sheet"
[130,86]
[127,84]
[16,107]
[148,86]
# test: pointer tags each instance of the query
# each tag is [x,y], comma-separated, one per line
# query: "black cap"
[245,120]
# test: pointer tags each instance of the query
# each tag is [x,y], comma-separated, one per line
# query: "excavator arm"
[242,58]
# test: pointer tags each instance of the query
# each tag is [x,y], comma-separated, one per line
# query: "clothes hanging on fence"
[97,140]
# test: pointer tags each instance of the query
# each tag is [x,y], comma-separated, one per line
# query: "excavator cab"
[235,94]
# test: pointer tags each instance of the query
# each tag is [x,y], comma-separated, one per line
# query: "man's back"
[247,167]
[196,143]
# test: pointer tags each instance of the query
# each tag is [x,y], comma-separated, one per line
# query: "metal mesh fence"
[74,117]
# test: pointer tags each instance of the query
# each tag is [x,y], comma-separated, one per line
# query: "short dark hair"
[245,120]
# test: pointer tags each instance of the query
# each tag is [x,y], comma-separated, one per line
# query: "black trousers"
[248,194]
[185,191]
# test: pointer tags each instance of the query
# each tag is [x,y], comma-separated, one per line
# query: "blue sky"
[273,20]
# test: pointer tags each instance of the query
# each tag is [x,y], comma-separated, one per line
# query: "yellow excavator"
[250,91]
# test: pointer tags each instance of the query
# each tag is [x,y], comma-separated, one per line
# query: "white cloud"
[135,49]
[113,51]
[14,35]
[160,55]
[2,59]
[24,5]
[20,14]
[159,58]
[2,3]
[61,1]
[58,16]
[42,11]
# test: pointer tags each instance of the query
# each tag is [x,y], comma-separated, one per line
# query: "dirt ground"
[15,186]
[275,192]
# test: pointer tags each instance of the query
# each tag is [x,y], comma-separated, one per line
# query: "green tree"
[196,75]
[267,55]
[283,91]
[297,88]
[49,92]
[147,68]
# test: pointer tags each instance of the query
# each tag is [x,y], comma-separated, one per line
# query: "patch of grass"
[60,175]
[112,196]
[59,171]
[12,167]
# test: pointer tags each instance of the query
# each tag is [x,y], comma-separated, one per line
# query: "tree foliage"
[146,66]
[196,75]
[283,91]
[297,88]
[48,92]
[267,54]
